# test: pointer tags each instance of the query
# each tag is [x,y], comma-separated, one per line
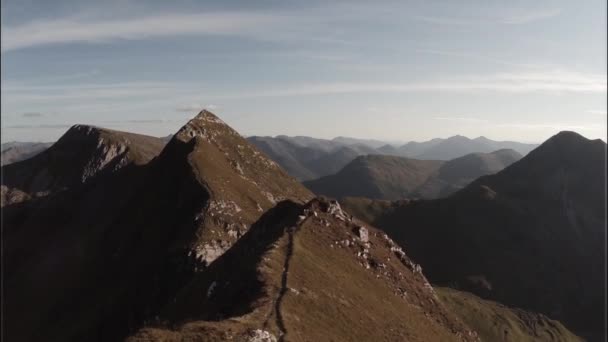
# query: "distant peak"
[80,132]
[567,137]
[458,137]
[83,129]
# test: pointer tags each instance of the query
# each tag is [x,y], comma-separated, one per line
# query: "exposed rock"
[261,336]
[208,252]
[363,234]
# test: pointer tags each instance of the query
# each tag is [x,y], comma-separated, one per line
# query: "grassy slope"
[496,322]
[309,287]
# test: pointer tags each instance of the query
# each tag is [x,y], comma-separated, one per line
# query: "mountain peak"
[568,137]
[205,125]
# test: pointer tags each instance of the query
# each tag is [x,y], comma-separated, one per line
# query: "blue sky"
[402,70]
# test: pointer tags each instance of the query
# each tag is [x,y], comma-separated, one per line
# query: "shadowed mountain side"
[94,261]
[543,218]
[457,173]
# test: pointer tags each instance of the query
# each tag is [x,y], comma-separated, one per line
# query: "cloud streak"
[80,29]
[461,119]
[550,82]
[513,18]
[521,82]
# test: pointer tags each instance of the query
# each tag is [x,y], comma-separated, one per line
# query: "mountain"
[391,178]
[458,146]
[94,261]
[376,176]
[457,173]
[16,151]
[210,240]
[82,153]
[309,158]
[355,141]
[413,148]
[542,219]
[308,273]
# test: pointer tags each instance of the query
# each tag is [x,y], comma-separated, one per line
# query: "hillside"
[307,158]
[542,218]
[96,260]
[457,173]
[308,273]
[496,322]
[376,176]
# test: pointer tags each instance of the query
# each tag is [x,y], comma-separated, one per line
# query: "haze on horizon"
[390,70]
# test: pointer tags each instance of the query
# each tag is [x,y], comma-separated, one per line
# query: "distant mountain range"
[530,236]
[392,178]
[110,235]
[308,158]
[16,151]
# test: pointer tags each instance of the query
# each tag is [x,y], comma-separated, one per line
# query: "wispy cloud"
[50,126]
[90,91]
[82,29]
[552,126]
[32,115]
[507,17]
[530,16]
[461,119]
[477,57]
[516,82]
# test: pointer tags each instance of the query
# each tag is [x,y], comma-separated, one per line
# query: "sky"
[389,70]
